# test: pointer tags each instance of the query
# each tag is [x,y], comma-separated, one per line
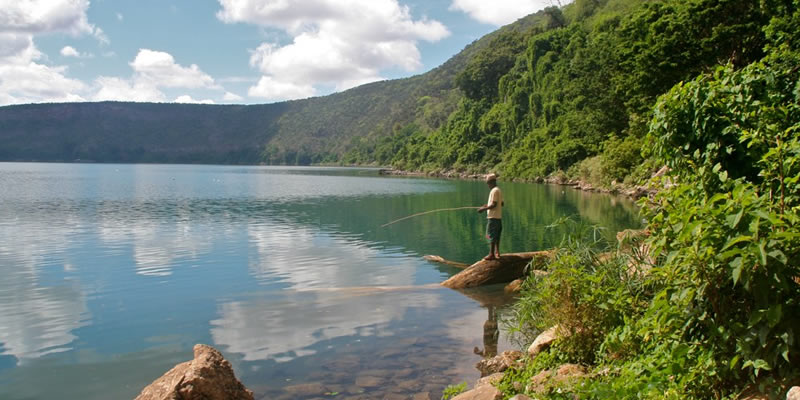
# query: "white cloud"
[112,88]
[160,68]
[188,99]
[501,12]
[24,78]
[269,88]
[120,17]
[152,71]
[69,51]
[101,36]
[26,81]
[335,42]
[232,97]
[41,16]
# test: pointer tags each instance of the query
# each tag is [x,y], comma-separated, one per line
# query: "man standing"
[494,226]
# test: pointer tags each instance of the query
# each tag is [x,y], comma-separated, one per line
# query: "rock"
[543,341]
[498,363]
[367,381]
[485,392]
[661,172]
[520,397]
[306,389]
[571,370]
[793,393]
[422,396]
[491,380]
[209,376]
[514,287]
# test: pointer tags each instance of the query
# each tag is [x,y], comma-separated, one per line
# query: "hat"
[491,178]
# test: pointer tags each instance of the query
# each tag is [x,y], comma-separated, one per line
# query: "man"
[494,225]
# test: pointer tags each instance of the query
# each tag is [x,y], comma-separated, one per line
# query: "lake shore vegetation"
[706,307]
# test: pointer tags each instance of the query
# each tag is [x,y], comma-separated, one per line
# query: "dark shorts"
[493,229]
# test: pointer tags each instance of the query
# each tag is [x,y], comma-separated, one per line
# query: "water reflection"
[112,272]
[38,313]
[333,286]
[289,326]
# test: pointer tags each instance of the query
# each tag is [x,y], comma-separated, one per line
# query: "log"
[507,268]
[441,260]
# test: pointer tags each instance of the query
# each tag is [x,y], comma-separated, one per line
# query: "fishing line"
[428,212]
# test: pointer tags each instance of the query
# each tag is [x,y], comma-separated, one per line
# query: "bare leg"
[491,252]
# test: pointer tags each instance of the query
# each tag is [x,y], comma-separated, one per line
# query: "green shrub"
[454,390]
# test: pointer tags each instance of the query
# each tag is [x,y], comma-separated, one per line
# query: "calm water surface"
[111,273]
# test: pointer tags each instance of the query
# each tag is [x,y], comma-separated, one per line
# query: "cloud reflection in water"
[326,297]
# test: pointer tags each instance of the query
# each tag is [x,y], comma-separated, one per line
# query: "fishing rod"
[429,212]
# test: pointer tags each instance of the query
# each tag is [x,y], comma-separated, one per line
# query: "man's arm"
[489,207]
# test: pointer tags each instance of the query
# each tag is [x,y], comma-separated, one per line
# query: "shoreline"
[633,192]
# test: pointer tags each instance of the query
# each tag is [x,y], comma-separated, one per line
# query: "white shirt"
[495,196]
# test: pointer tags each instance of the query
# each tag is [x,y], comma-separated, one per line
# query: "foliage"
[578,85]
[454,390]
[719,311]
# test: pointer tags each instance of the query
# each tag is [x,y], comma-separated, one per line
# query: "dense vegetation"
[708,307]
[573,93]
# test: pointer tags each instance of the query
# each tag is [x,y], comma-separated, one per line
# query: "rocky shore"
[633,192]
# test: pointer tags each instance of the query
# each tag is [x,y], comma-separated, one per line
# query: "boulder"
[209,376]
[485,392]
[514,287]
[544,340]
[498,363]
[491,380]
[793,393]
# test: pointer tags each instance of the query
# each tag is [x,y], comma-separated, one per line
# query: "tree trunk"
[509,267]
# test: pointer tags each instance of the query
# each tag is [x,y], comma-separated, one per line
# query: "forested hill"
[576,98]
[306,131]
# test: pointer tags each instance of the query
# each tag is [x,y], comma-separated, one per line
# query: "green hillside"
[574,94]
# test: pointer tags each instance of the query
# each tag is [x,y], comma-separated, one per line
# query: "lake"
[111,273]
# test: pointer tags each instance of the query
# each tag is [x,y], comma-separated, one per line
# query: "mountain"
[293,132]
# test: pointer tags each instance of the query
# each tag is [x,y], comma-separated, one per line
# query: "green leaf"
[734,361]
[762,252]
[737,269]
[761,364]
[774,315]
[734,219]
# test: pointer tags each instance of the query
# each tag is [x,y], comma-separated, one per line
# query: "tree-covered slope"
[136,132]
[575,94]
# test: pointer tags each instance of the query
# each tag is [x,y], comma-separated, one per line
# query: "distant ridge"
[293,132]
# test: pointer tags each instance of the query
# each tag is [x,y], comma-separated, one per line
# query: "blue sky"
[229,51]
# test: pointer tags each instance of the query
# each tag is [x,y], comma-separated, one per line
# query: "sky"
[229,51]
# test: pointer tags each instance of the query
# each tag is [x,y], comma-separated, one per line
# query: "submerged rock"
[209,376]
